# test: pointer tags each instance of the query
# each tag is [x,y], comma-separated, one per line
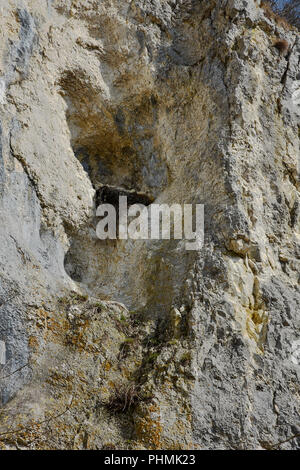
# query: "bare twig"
[47,420]
[283,442]
[15,371]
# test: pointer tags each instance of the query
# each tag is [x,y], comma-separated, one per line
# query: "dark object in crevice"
[123,398]
[110,195]
[281,45]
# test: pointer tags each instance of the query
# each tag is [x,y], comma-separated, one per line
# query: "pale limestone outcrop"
[182,101]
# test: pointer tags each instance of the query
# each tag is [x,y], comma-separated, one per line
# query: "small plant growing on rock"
[125,348]
[186,358]
[123,398]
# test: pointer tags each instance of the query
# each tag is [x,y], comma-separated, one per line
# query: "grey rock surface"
[142,344]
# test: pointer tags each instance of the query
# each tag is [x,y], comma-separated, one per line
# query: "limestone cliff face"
[144,345]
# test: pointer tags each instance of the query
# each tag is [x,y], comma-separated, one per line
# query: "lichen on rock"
[123,344]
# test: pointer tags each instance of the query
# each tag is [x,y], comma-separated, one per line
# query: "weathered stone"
[177,102]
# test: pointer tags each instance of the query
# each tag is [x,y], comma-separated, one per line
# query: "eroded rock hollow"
[141,344]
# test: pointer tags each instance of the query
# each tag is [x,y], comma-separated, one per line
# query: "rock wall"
[142,344]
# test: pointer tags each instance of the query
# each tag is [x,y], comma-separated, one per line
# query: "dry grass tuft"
[123,398]
[287,16]
[281,45]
